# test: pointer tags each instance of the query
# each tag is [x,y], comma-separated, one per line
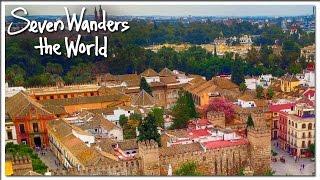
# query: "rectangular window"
[21,127]
[35,127]
[9,134]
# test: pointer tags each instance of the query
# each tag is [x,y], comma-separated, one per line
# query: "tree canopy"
[188,169]
[148,129]
[183,110]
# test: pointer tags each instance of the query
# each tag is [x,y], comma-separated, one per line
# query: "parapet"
[148,144]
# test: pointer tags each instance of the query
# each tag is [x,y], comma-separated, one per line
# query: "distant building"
[309,53]
[288,83]
[301,130]
[11,91]
[11,134]
[245,40]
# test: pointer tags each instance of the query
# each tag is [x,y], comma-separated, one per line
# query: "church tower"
[100,14]
[96,18]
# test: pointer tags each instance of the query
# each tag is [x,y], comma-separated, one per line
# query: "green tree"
[237,75]
[270,93]
[191,106]
[259,91]
[312,149]
[24,150]
[269,172]
[54,68]
[123,120]
[148,129]
[158,115]
[183,110]
[242,87]
[145,86]
[136,116]
[15,75]
[240,172]
[250,122]
[188,169]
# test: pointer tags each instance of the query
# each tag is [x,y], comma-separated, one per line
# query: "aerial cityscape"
[178,94]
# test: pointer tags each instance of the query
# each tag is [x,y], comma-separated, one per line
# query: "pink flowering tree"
[220,105]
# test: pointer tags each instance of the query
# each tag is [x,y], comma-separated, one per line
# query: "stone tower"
[259,138]
[218,119]
[149,154]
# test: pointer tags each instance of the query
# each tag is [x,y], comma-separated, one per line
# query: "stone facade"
[218,119]
[218,161]
[21,165]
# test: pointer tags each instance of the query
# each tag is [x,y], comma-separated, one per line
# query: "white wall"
[14,134]
[88,139]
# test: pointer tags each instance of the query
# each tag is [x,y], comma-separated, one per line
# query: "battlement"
[120,168]
[214,114]
[19,160]
[148,144]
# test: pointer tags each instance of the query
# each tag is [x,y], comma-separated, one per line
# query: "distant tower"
[149,154]
[100,14]
[96,18]
[259,148]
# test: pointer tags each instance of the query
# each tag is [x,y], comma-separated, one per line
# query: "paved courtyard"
[50,160]
[290,167]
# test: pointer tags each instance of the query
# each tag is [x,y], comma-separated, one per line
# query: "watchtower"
[149,154]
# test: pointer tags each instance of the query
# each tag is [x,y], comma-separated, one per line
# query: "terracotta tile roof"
[63,132]
[199,88]
[180,149]
[128,144]
[223,144]
[168,80]
[106,145]
[279,107]
[310,92]
[57,110]
[165,72]
[62,90]
[199,133]
[224,83]
[92,121]
[156,84]
[149,73]
[143,99]
[247,97]
[85,100]
[179,133]
[21,105]
[261,102]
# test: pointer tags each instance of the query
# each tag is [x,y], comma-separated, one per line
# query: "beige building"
[301,130]
[309,52]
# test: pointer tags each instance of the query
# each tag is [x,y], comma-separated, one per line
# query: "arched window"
[309,126]
[303,126]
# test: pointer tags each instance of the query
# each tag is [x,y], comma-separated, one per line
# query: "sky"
[173,10]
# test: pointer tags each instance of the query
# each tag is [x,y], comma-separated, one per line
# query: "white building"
[245,39]
[96,125]
[116,115]
[10,135]
[11,91]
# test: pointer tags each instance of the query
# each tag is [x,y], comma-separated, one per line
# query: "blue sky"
[176,10]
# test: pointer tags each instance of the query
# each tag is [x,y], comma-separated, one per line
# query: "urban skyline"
[175,10]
